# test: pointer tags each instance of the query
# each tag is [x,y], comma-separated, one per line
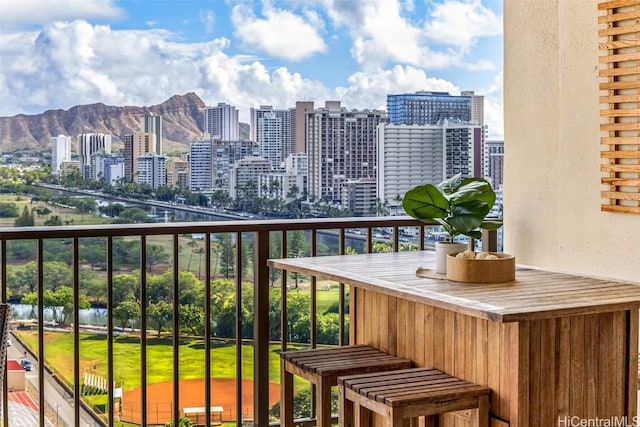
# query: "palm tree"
[193,244]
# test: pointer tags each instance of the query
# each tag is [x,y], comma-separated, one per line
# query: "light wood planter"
[468,270]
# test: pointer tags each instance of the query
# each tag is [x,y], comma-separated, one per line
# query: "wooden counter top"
[535,294]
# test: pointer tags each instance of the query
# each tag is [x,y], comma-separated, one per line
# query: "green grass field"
[65,214]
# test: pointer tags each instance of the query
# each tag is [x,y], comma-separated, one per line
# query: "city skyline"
[248,53]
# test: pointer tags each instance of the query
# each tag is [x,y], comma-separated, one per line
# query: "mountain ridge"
[182,122]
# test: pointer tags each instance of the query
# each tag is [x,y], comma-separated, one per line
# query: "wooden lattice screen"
[620,105]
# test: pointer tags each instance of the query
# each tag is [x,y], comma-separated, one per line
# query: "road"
[56,397]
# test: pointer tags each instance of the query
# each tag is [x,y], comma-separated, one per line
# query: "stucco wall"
[552,144]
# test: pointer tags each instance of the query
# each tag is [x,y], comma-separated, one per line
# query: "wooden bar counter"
[555,349]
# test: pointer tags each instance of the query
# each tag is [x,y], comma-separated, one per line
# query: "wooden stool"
[408,393]
[323,367]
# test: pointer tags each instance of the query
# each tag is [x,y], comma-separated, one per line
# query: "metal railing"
[257,238]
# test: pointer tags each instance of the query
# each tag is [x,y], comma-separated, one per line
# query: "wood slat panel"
[620,195]
[620,30]
[614,4]
[621,209]
[620,154]
[621,181]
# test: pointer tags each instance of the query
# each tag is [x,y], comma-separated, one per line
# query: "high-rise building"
[494,162]
[299,125]
[221,122]
[136,144]
[152,170]
[151,123]
[427,108]
[225,155]
[341,146]
[411,155]
[359,196]
[477,106]
[177,173]
[60,152]
[201,172]
[272,130]
[88,144]
[245,175]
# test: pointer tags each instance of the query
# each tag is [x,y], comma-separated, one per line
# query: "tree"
[227,255]
[60,302]
[192,319]
[127,312]
[161,312]
[8,210]
[182,422]
[193,244]
[297,247]
[26,219]
[156,254]
[125,287]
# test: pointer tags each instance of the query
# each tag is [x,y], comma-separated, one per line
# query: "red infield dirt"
[223,393]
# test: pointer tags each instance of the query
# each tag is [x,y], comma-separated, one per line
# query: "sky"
[247,53]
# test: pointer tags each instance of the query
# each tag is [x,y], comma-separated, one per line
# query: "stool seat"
[409,393]
[322,367]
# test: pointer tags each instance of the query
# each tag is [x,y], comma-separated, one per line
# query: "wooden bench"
[408,393]
[322,367]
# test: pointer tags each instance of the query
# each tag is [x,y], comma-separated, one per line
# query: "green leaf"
[468,216]
[450,185]
[425,202]
[476,234]
[486,192]
[493,224]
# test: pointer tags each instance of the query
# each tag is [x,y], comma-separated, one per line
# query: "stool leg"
[395,418]
[286,397]
[345,409]
[483,411]
[323,399]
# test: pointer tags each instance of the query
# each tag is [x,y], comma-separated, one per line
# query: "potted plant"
[459,205]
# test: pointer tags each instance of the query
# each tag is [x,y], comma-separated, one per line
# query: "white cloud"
[382,33]
[461,23]
[281,33]
[493,107]
[370,90]
[208,18]
[87,64]
[27,12]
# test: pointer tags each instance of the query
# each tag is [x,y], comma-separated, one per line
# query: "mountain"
[182,122]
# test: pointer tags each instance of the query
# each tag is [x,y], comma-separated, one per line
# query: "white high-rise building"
[341,146]
[221,122]
[88,144]
[60,152]
[273,131]
[201,171]
[411,155]
[152,170]
[151,123]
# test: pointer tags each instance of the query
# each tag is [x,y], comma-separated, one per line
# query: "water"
[90,316]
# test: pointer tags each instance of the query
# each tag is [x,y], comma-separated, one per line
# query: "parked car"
[9,342]
[26,364]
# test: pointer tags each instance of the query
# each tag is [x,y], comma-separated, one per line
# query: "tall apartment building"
[411,155]
[272,130]
[177,173]
[60,152]
[245,176]
[494,162]
[359,196]
[136,144]
[201,172]
[298,165]
[151,123]
[152,170]
[225,155]
[341,146]
[100,168]
[88,144]
[299,125]
[427,108]
[221,122]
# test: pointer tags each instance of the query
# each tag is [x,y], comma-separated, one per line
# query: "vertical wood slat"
[143,329]
[619,65]
[539,371]
[41,355]
[3,281]
[239,326]
[110,365]
[207,329]
[176,335]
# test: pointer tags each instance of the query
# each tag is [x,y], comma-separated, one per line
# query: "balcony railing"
[82,248]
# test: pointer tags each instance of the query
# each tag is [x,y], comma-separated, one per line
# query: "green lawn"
[126,355]
[65,214]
